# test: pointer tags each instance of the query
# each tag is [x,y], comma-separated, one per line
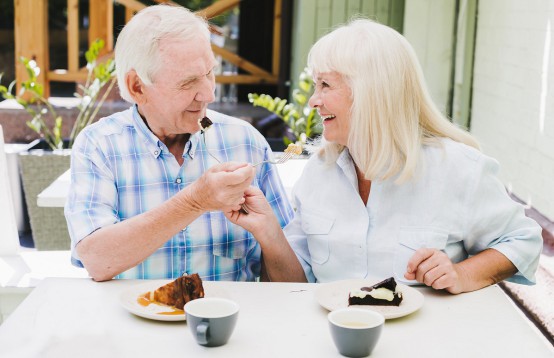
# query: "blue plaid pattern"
[120,169]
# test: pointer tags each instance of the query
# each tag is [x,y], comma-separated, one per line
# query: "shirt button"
[156,152]
[178,181]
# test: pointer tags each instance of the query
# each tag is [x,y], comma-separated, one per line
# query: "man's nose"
[206,92]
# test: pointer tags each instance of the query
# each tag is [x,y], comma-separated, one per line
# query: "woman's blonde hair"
[392,113]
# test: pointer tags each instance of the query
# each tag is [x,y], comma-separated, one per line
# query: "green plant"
[303,121]
[44,118]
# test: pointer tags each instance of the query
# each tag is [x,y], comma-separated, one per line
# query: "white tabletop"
[81,318]
[56,193]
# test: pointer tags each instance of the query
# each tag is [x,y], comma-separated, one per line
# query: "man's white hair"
[137,44]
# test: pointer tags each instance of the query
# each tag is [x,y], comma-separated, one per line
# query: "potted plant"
[42,164]
[302,121]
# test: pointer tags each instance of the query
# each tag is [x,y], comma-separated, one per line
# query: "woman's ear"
[136,87]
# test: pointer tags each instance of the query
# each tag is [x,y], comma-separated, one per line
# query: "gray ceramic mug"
[355,331]
[211,320]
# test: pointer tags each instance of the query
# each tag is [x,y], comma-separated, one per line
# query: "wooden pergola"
[31,39]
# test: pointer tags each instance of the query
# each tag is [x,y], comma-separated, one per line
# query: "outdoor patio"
[465,89]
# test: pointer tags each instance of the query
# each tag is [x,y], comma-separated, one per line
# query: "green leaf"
[299,97]
[280,106]
[305,86]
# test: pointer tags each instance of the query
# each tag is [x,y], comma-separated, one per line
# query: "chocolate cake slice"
[381,294]
[205,123]
[177,293]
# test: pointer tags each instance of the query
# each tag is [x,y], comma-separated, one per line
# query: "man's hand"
[221,187]
[433,268]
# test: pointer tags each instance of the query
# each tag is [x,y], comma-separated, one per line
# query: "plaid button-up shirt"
[119,169]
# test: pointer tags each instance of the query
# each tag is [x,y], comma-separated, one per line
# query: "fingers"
[228,166]
[235,173]
[432,268]
[417,258]
[222,187]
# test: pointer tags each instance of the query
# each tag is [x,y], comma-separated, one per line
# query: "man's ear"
[135,87]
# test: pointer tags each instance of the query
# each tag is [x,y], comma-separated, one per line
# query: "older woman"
[395,189]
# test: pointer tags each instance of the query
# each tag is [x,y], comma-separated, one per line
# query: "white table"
[82,318]
[56,193]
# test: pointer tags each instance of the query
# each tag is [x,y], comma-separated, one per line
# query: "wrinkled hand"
[434,268]
[222,187]
[260,216]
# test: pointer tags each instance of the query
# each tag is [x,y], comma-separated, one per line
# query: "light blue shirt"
[455,204]
[120,169]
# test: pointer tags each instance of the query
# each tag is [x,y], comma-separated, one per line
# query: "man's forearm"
[116,248]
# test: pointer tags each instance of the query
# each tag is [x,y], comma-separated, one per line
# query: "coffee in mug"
[355,331]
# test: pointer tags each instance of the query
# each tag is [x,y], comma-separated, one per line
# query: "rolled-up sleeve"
[92,197]
[498,222]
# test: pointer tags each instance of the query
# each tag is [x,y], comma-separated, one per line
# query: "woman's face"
[333,100]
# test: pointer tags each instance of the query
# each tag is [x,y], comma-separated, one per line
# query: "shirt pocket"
[411,239]
[232,250]
[317,227]
[228,240]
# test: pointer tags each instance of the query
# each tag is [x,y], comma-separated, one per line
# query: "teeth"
[331,116]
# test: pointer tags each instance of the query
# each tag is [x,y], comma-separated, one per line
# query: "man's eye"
[186,85]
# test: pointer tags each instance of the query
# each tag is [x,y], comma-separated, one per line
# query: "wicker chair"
[39,168]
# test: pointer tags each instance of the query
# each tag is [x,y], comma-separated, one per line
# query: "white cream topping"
[379,294]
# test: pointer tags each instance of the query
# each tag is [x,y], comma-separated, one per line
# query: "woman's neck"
[364,185]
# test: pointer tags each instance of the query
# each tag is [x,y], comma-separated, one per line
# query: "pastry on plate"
[177,293]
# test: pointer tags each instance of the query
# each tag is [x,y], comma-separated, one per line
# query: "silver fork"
[284,158]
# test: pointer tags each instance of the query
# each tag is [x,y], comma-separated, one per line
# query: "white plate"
[334,295]
[128,299]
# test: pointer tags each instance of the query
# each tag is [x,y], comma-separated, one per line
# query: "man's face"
[182,87]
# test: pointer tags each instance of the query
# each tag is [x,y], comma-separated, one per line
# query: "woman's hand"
[260,220]
[433,268]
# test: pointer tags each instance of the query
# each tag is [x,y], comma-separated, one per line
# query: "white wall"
[513,95]
[428,26]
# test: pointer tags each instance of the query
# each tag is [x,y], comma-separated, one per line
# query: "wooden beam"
[72,35]
[166,2]
[129,13]
[276,38]
[134,5]
[240,62]
[67,76]
[245,79]
[217,8]
[31,39]
[101,23]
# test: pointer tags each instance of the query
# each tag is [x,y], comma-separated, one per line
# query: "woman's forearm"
[280,261]
[484,269]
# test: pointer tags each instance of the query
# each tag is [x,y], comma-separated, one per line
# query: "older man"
[148,192]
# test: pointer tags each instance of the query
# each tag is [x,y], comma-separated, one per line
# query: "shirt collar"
[155,145]
[194,144]
[346,164]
